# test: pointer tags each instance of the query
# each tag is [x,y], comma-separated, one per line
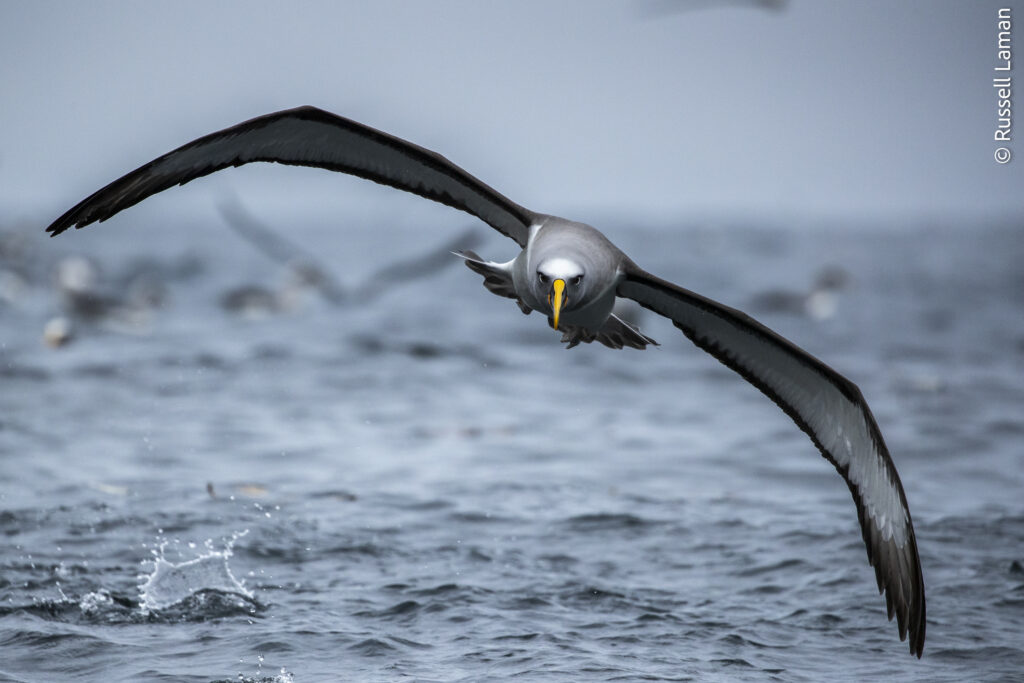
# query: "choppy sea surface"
[221,474]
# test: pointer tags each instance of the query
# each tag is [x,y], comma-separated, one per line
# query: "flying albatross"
[572,274]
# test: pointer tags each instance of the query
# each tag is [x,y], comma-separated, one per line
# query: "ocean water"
[413,481]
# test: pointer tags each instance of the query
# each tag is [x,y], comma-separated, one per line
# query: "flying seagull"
[572,274]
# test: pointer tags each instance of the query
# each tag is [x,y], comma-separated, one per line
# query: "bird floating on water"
[572,273]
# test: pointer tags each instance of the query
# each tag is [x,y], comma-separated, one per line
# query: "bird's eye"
[543,278]
[577,280]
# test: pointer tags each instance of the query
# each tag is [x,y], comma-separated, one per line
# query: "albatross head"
[560,282]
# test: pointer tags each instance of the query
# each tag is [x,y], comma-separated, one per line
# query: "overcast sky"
[575,108]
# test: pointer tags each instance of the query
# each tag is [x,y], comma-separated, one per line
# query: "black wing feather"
[812,394]
[307,136]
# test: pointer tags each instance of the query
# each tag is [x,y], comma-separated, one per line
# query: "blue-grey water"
[421,484]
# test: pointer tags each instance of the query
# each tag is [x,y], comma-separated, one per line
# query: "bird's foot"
[615,334]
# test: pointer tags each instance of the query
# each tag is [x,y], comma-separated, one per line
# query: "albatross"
[571,273]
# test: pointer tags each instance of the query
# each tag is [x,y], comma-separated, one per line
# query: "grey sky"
[577,108]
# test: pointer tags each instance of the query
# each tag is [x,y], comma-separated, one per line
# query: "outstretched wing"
[308,136]
[830,409]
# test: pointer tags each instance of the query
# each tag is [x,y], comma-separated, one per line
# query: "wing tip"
[905,600]
[69,220]
[916,631]
[910,611]
[58,226]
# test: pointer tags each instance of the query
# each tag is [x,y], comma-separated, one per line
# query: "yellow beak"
[556,306]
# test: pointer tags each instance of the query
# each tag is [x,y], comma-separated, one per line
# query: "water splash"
[95,602]
[169,583]
[284,676]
